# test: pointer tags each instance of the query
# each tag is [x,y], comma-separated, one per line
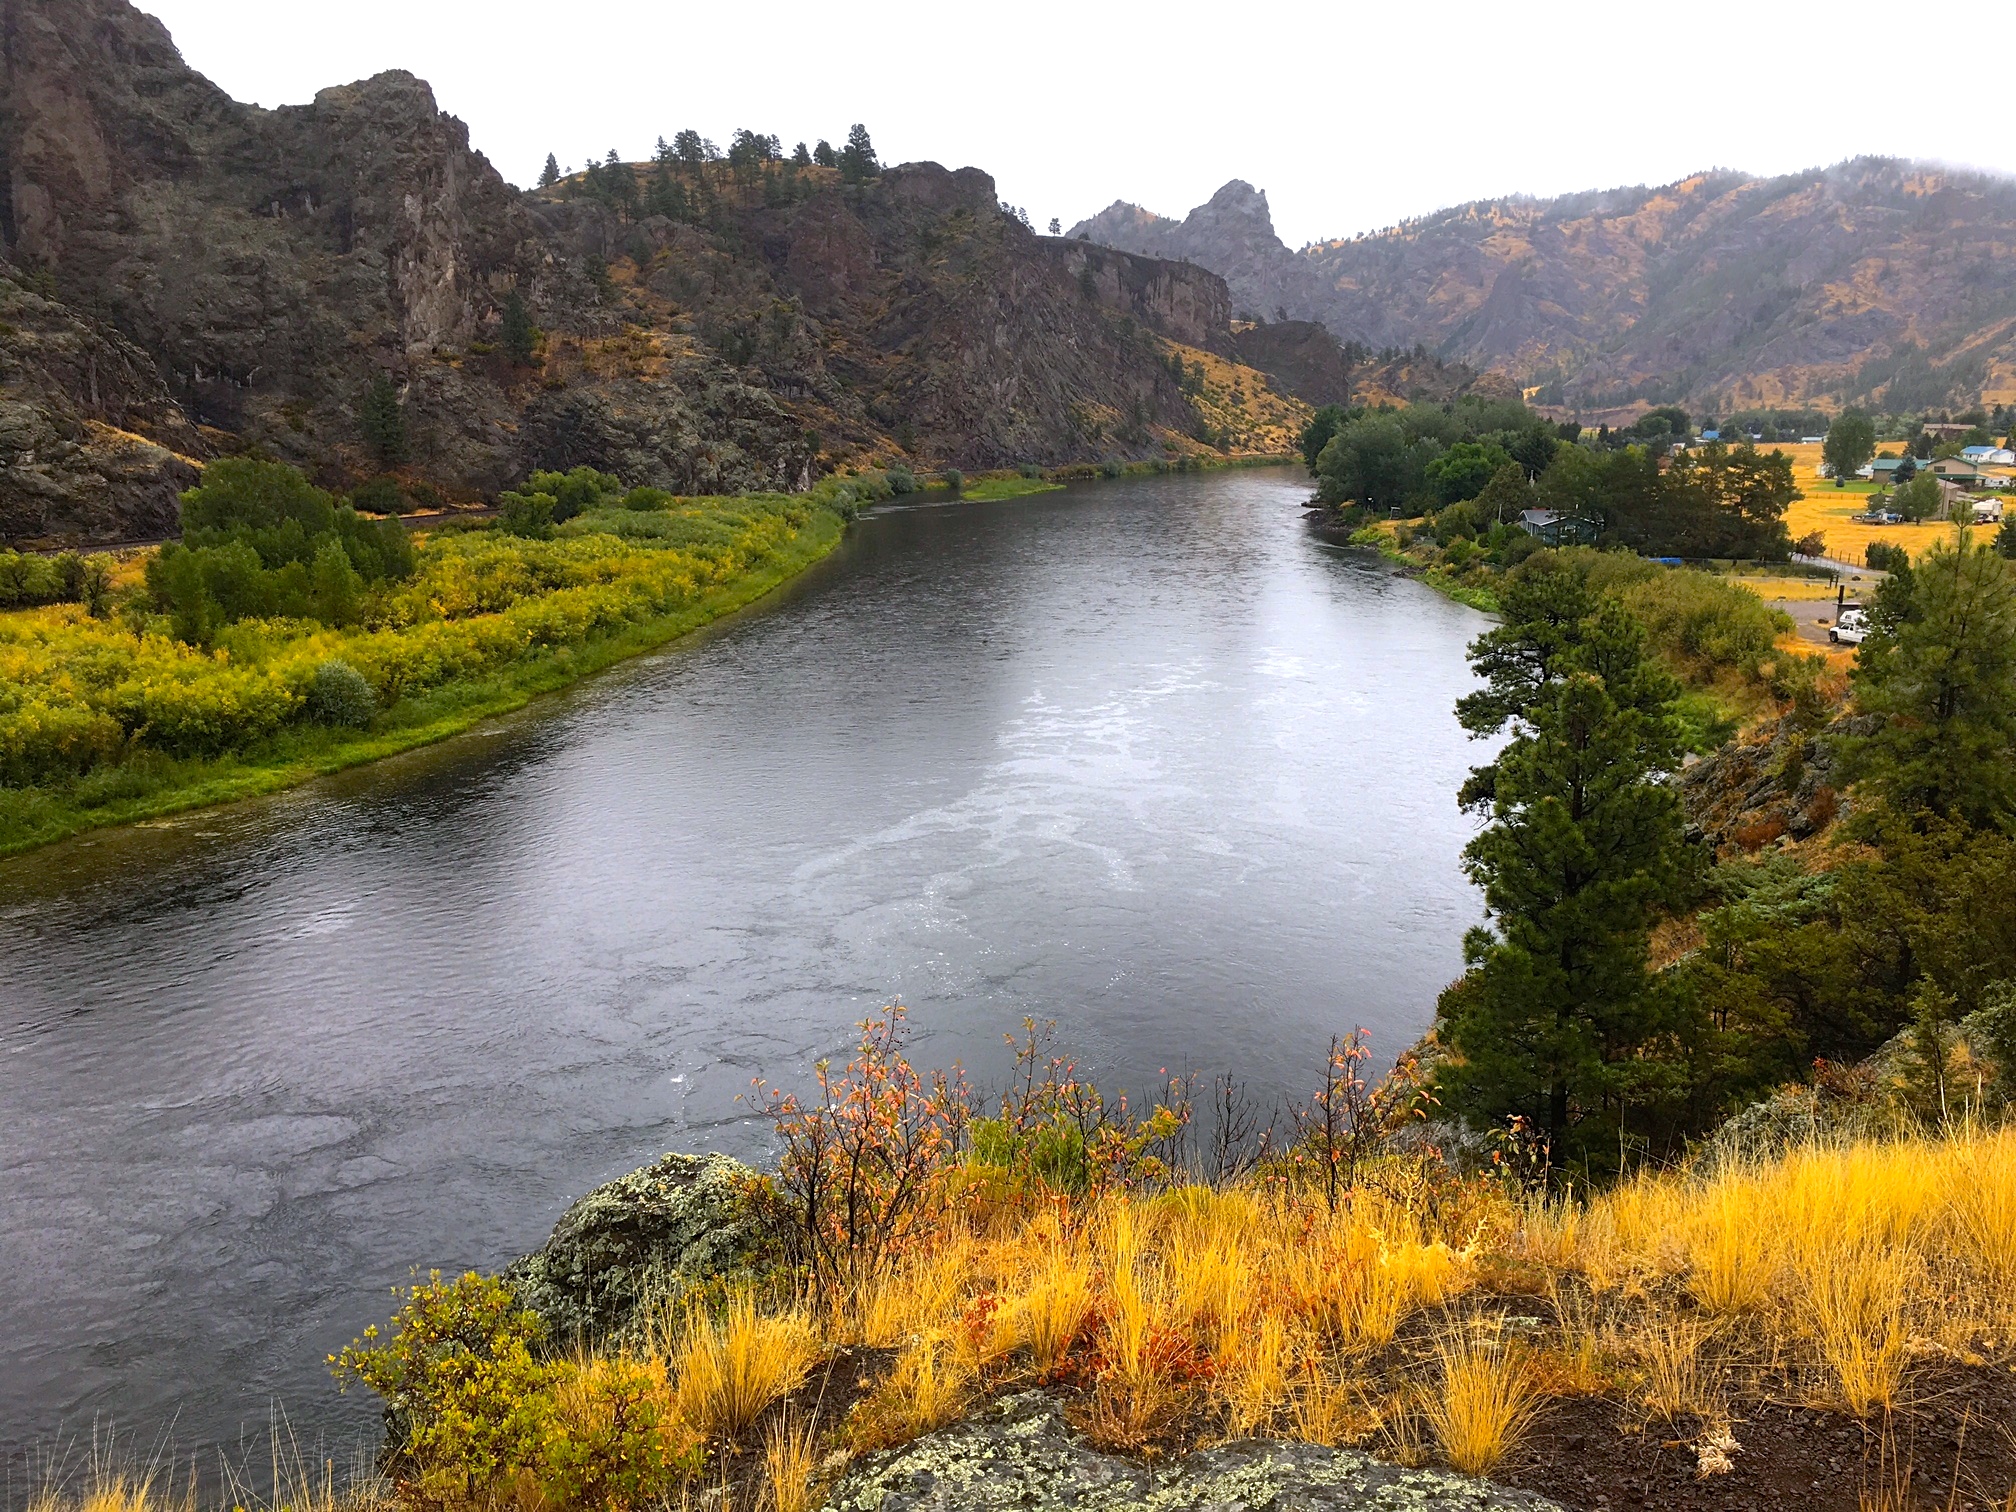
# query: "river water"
[1146,757]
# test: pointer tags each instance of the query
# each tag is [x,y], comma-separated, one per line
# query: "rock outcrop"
[271,264]
[1020,1454]
[1779,781]
[644,1238]
[1233,235]
[93,449]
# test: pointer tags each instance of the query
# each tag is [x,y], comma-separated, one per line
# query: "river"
[1147,757]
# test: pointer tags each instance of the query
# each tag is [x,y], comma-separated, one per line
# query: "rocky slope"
[268,265]
[1874,281]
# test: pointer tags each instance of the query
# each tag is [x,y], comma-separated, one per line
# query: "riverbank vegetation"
[287,635]
[1338,1279]
[1542,1249]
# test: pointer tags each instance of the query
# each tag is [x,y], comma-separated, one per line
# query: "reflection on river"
[1146,757]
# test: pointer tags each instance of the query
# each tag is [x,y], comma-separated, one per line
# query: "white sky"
[1350,115]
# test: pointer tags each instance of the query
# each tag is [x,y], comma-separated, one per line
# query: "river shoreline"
[440,715]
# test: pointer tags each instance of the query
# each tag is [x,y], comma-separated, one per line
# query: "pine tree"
[824,154]
[1941,670]
[550,174]
[382,422]
[801,157]
[857,158]
[519,335]
[1558,1020]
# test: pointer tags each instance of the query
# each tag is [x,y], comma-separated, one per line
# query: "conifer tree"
[824,155]
[1558,1020]
[857,158]
[519,335]
[1940,668]
[382,422]
[550,174]
[801,156]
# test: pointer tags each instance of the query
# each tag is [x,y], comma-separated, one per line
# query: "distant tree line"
[1475,464]
[678,182]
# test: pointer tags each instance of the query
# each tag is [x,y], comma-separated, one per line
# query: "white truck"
[1851,628]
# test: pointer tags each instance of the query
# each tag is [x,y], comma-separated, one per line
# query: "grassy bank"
[491,623]
[1762,1319]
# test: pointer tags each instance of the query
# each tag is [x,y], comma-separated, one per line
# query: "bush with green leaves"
[953,479]
[478,1415]
[27,579]
[338,695]
[260,541]
[901,479]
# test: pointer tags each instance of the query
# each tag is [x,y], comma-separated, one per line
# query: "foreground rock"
[1021,1454]
[644,1238]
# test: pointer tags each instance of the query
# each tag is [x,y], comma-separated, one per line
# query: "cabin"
[1554,529]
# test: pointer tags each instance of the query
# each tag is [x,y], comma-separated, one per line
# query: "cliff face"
[92,447]
[267,266]
[1180,300]
[1874,281]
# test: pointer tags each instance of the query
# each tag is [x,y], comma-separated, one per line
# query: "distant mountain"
[1875,281]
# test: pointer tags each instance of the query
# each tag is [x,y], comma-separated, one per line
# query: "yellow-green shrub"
[77,693]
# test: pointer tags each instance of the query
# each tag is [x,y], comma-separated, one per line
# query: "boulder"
[649,1236]
[1021,1454]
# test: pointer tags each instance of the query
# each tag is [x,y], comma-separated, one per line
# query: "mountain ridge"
[1872,281]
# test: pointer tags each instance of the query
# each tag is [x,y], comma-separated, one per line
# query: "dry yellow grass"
[1828,510]
[727,1370]
[1482,1402]
[1843,1261]
[790,1465]
[1822,1273]
[1244,400]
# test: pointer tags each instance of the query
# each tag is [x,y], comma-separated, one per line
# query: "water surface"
[1146,757]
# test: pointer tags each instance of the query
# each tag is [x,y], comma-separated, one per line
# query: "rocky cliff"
[268,265]
[1875,281]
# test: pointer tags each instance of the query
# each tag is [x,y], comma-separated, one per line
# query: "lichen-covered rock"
[1020,1454]
[650,1235]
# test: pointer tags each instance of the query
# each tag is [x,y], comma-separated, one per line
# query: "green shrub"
[530,515]
[464,1393]
[1884,557]
[338,695]
[645,500]
[1111,468]
[27,579]
[953,479]
[1030,470]
[381,496]
[901,480]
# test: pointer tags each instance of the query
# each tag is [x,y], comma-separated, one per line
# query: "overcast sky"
[1350,115]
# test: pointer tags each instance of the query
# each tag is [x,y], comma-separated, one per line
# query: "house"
[1940,429]
[1884,469]
[1553,529]
[1983,456]
[1960,474]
